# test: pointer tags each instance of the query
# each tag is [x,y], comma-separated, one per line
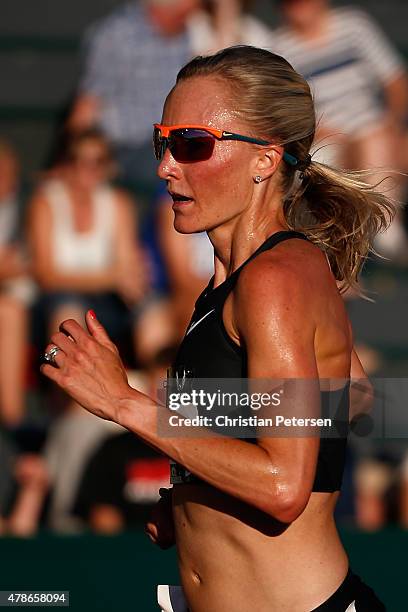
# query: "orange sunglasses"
[195,143]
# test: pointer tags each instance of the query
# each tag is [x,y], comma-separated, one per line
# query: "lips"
[179,197]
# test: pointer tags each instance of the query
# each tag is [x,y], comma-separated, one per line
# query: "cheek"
[225,175]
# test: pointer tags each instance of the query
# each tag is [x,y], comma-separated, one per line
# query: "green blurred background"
[120,574]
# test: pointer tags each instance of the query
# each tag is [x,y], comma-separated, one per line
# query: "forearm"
[243,470]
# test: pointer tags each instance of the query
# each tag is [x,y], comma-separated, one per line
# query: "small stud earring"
[258,179]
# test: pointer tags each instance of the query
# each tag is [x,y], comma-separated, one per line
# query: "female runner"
[253,520]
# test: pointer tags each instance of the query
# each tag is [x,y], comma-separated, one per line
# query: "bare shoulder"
[276,312]
[287,304]
[293,270]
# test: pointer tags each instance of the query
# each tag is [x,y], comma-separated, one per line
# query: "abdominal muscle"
[233,557]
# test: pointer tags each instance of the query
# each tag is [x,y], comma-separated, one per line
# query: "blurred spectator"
[56,475]
[350,65]
[16,290]
[83,237]
[121,481]
[226,23]
[189,263]
[46,483]
[381,475]
[132,58]
[32,484]
[71,441]
[121,484]
[381,485]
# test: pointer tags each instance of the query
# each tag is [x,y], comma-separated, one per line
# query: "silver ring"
[51,354]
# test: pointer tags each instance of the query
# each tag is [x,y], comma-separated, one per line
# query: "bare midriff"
[233,557]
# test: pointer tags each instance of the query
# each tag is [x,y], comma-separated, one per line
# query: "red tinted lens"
[189,145]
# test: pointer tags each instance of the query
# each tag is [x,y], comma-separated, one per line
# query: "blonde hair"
[337,210]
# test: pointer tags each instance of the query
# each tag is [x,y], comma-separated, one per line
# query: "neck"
[236,240]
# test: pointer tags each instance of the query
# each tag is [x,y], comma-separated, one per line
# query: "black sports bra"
[207,351]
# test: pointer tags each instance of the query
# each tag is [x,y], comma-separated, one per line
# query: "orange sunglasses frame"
[222,135]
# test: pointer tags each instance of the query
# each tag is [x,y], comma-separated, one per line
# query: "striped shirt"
[131,67]
[347,70]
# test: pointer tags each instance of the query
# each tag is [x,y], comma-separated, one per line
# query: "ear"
[267,162]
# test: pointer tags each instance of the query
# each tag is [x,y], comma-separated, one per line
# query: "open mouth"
[178,197]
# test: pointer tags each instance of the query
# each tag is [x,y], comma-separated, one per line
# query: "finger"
[59,357]
[63,342]
[52,373]
[74,329]
[97,330]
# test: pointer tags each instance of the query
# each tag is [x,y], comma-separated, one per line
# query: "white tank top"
[201,255]
[75,251]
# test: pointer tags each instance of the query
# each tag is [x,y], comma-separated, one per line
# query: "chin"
[187,226]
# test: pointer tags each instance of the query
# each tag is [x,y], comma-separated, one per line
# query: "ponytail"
[341,213]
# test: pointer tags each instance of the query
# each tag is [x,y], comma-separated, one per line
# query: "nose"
[168,167]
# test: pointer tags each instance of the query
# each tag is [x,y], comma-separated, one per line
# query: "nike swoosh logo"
[194,325]
[352,607]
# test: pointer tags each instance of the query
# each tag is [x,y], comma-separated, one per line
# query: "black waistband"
[352,589]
